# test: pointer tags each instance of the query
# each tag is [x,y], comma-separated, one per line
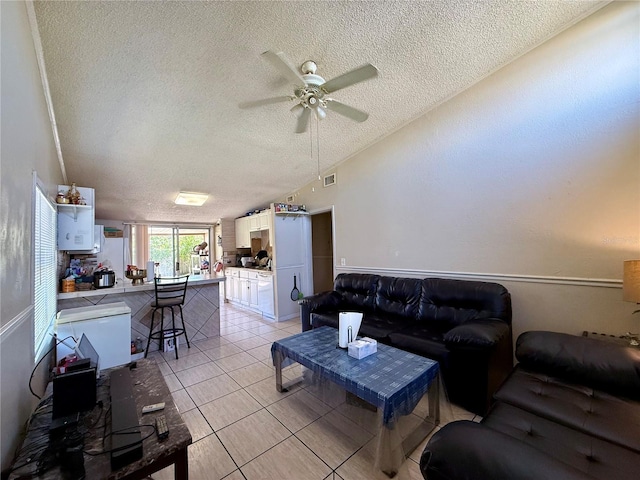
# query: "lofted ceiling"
[146,94]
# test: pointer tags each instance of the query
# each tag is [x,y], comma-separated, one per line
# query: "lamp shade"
[631,281]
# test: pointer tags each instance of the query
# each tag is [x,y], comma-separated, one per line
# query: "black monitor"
[75,391]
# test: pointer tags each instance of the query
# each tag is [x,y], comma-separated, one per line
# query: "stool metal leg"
[184,328]
[153,315]
[173,331]
[161,336]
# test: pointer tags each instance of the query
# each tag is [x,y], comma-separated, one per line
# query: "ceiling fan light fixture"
[192,199]
[321,113]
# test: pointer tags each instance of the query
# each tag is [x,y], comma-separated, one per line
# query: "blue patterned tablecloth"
[391,379]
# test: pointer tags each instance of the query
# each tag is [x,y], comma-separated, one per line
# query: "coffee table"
[392,380]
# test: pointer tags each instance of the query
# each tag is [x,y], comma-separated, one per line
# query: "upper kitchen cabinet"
[252,223]
[243,234]
[76,220]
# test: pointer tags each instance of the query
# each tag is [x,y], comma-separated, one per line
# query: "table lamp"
[631,282]
[631,288]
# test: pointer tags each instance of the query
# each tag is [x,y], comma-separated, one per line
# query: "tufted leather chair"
[570,409]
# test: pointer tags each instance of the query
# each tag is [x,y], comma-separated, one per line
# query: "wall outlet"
[343,261]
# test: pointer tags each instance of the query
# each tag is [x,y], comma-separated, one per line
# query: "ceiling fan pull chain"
[318,144]
[311,140]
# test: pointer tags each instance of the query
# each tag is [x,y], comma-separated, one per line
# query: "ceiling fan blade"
[303,121]
[347,111]
[358,75]
[265,101]
[282,64]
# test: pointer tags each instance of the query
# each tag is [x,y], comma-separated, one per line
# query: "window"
[172,247]
[44,272]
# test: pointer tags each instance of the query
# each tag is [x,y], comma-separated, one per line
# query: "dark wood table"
[149,387]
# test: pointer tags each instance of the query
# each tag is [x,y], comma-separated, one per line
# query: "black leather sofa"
[569,410]
[464,325]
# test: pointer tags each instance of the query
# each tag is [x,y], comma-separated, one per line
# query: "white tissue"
[346,320]
[362,348]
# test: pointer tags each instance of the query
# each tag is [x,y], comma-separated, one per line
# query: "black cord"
[95,422]
[33,372]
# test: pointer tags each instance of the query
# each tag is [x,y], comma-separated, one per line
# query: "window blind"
[44,245]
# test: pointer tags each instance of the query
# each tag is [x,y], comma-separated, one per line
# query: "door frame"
[331,209]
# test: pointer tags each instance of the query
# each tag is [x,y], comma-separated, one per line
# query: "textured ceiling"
[146,94]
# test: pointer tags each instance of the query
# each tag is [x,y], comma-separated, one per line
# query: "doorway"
[322,251]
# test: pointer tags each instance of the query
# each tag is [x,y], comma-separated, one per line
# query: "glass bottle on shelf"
[73,195]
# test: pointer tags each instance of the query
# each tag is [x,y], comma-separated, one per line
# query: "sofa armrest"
[469,450]
[322,302]
[484,334]
[588,361]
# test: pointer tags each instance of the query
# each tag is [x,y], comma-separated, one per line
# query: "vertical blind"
[44,266]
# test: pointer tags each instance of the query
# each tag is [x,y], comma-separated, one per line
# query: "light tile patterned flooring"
[243,429]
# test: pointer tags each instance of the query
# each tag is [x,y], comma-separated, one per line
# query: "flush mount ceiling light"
[191,199]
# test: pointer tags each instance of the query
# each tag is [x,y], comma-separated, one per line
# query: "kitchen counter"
[201,308]
[256,269]
[128,287]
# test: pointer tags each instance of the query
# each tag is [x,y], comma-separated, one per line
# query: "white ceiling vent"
[290,199]
[330,180]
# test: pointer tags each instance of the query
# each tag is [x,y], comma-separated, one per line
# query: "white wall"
[26,145]
[533,172]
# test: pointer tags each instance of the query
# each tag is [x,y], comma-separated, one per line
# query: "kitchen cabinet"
[252,289]
[249,288]
[265,218]
[232,283]
[254,223]
[243,234]
[76,222]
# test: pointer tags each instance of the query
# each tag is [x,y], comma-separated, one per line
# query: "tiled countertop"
[128,287]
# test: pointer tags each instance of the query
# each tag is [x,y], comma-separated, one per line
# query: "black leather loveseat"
[464,325]
[569,410]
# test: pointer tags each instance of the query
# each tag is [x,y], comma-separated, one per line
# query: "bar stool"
[170,293]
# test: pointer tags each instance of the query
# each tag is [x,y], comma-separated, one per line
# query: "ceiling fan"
[311,91]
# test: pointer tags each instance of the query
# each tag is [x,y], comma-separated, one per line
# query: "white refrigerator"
[107,326]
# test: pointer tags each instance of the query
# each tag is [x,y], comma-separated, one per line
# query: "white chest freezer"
[107,326]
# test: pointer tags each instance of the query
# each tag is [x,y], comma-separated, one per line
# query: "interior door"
[322,251]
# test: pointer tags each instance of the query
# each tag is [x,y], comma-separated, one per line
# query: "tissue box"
[362,348]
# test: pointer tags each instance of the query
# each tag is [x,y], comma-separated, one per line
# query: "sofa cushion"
[471,451]
[358,290]
[588,361]
[380,326]
[447,303]
[420,339]
[374,326]
[399,297]
[594,412]
[593,456]
[330,319]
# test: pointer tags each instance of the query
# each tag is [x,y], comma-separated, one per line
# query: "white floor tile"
[224,386]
